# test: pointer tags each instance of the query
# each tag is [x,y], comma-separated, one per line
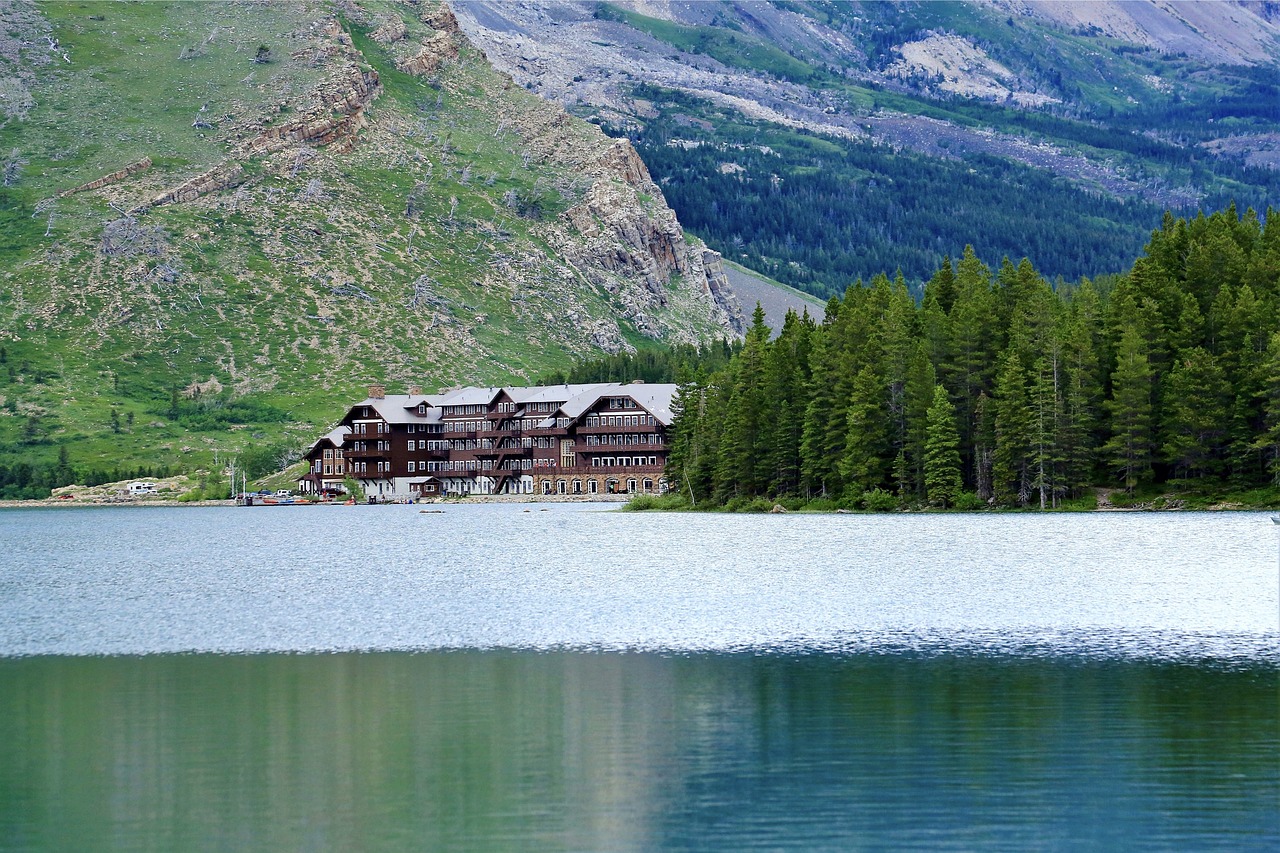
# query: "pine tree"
[1269,441]
[786,378]
[918,397]
[971,356]
[1045,463]
[1195,421]
[942,455]
[1009,475]
[1129,449]
[984,448]
[1078,440]
[866,451]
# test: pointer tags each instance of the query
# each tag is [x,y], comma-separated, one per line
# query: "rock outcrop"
[433,53]
[115,177]
[333,125]
[223,176]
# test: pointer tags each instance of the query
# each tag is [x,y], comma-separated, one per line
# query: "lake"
[563,677]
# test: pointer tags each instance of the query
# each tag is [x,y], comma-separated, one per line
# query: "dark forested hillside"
[823,141]
[997,389]
[819,213]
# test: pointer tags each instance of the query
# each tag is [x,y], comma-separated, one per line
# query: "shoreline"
[54,503]
[620,501]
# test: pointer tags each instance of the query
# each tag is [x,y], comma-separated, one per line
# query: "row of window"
[643,438]
[621,403]
[619,420]
[611,486]
[453,465]
[621,461]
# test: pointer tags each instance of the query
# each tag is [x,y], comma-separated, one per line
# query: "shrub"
[878,500]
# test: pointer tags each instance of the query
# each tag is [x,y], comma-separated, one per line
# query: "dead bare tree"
[424,294]
[200,123]
[303,156]
[313,190]
[12,168]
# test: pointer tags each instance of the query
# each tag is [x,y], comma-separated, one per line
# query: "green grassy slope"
[427,244]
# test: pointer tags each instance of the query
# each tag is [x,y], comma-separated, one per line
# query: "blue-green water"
[493,679]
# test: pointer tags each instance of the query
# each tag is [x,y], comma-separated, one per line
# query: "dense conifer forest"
[817,212]
[996,389]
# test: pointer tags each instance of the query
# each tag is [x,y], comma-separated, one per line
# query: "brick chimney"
[377,392]
[415,391]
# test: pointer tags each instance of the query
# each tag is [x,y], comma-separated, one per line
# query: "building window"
[560,487]
[577,487]
[631,486]
[648,485]
[412,467]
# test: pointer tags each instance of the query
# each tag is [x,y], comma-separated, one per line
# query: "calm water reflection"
[580,751]
[576,680]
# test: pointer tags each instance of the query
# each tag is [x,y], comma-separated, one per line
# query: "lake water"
[568,678]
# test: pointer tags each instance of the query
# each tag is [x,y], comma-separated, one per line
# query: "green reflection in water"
[581,751]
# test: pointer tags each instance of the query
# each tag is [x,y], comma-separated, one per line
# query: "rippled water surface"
[567,678]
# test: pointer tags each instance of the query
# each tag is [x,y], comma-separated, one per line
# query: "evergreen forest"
[815,212]
[997,389]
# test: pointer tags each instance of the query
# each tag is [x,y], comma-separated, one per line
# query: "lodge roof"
[334,436]
[575,400]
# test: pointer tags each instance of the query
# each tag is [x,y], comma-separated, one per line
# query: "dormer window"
[422,408]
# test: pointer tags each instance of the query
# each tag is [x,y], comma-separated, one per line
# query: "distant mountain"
[821,141]
[219,221]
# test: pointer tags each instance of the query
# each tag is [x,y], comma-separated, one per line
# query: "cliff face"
[365,198]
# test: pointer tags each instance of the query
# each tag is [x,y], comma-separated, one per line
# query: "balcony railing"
[622,430]
[370,453]
[600,470]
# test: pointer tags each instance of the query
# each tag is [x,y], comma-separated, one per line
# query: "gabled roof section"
[334,437]
[655,399]
[393,408]
[471,396]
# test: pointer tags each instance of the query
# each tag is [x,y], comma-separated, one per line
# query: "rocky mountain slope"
[222,220]
[1154,104]
[768,59]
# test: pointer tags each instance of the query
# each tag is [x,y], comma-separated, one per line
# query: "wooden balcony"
[620,430]
[602,470]
[366,454]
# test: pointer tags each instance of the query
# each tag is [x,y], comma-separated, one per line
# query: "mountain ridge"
[311,197]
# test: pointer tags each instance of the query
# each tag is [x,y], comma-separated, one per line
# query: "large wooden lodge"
[596,439]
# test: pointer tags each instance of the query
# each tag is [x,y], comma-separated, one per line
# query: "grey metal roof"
[654,399]
[471,396]
[334,436]
[574,401]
